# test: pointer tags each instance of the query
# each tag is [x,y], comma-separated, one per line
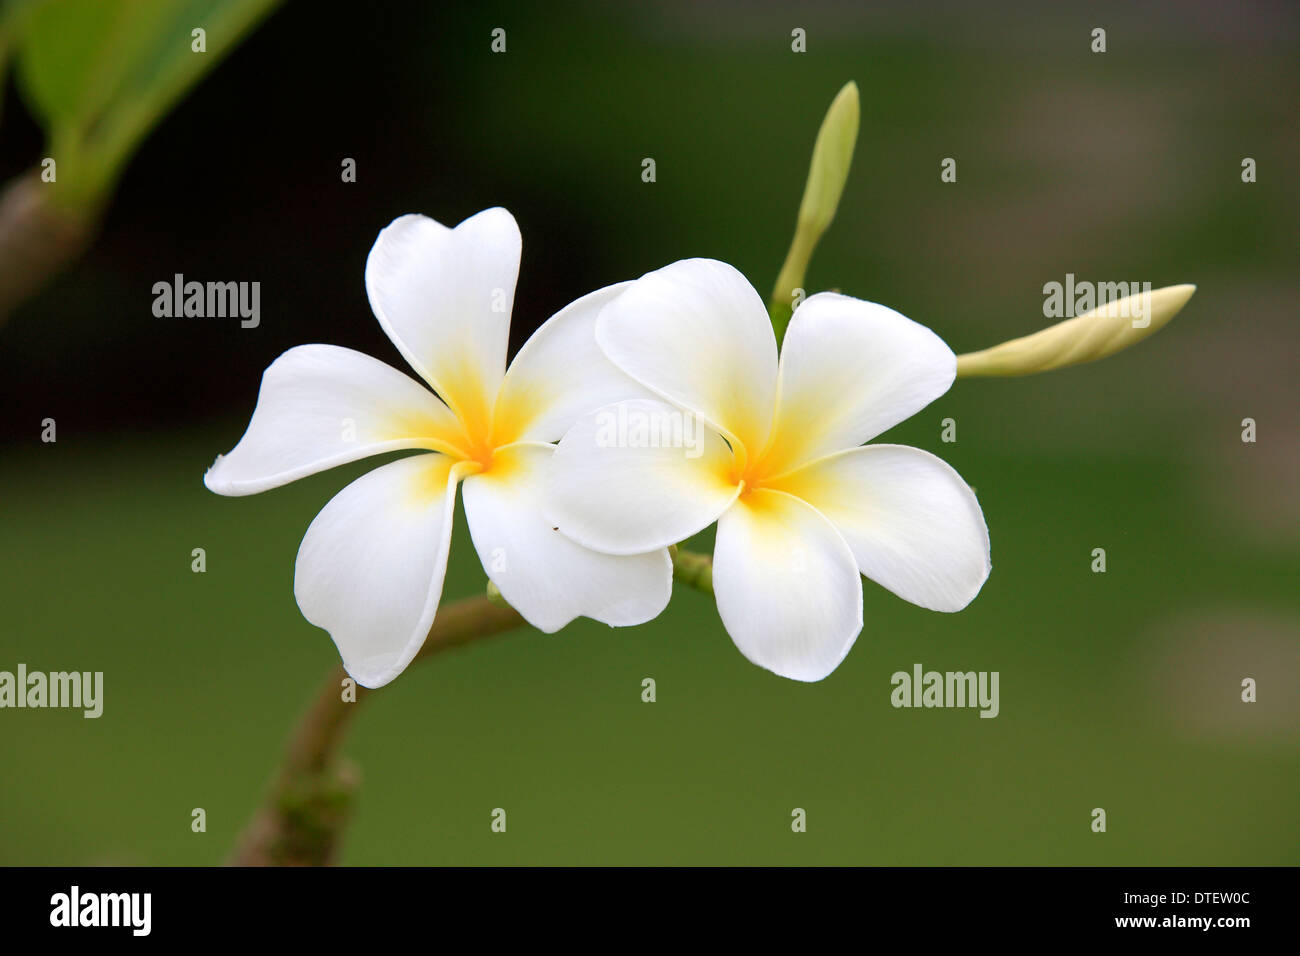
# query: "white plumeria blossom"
[801,508]
[370,569]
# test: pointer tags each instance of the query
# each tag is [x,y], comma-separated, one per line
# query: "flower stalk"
[311,798]
[693,569]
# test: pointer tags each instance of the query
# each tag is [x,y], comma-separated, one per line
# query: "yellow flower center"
[752,472]
[485,428]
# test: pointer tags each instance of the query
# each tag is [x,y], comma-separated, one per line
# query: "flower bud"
[831,158]
[1096,334]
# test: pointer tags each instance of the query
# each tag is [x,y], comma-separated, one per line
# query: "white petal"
[543,575]
[788,590]
[914,526]
[560,375]
[444,298]
[849,370]
[371,565]
[321,406]
[636,476]
[697,334]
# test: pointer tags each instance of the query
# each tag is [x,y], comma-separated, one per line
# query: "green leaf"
[60,49]
[99,74]
[12,18]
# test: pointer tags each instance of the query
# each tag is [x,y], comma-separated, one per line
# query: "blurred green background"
[1118,690]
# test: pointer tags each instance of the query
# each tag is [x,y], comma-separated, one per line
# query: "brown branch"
[38,239]
[310,801]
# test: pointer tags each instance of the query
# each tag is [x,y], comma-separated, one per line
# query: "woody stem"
[310,799]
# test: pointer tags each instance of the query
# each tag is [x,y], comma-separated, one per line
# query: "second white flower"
[802,510]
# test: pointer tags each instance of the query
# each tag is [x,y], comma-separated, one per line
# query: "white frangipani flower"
[801,508]
[371,566]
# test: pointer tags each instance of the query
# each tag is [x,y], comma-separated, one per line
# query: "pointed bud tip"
[844,111]
[1170,299]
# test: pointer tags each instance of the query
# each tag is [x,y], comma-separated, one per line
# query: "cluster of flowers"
[568,522]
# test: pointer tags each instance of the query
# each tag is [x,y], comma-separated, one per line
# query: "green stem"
[781,306]
[693,569]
